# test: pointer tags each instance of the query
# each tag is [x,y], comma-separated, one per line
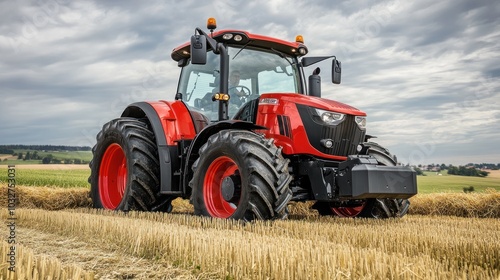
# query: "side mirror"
[336,71]
[198,49]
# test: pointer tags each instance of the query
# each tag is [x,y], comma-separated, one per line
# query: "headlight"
[330,118]
[361,121]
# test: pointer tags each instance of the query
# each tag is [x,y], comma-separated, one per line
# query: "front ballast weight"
[362,177]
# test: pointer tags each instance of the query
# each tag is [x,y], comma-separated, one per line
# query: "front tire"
[240,175]
[125,172]
[378,208]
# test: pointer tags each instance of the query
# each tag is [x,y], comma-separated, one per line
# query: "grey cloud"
[416,68]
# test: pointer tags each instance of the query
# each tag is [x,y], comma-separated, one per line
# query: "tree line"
[471,169]
[48,159]
[9,149]
[442,166]
[467,171]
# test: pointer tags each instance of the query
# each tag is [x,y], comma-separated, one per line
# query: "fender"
[202,138]
[171,123]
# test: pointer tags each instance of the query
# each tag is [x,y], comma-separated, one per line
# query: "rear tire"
[240,175]
[125,172]
[369,208]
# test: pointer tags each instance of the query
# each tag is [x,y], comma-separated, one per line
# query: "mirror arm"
[308,61]
[210,41]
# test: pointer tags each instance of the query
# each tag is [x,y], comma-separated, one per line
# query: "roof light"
[227,36]
[238,38]
[299,39]
[302,51]
[211,23]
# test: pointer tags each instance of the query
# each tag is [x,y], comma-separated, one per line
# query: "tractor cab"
[235,67]
[252,71]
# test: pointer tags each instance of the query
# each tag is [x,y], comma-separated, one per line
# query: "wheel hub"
[231,188]
[227,189]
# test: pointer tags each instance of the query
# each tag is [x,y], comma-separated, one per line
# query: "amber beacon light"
[211,24]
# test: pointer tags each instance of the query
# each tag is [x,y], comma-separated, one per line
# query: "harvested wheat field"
[437,241]
[416,247]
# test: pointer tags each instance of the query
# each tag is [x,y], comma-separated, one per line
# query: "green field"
[66,178]
[432,182]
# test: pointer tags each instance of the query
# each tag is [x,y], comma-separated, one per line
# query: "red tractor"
[245,135]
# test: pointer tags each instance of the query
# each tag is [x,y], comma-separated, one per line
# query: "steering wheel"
[246,91]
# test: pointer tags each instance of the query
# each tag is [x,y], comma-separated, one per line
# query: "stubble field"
[446,236]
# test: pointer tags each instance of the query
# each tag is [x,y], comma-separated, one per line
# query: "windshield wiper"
[282,56]
[242,48]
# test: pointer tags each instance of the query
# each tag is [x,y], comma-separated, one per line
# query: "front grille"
[346,135]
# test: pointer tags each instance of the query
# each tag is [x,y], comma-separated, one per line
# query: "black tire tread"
[139,145]
[267,172]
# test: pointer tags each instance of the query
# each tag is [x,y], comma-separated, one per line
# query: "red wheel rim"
[112,176]
[216,205]
[348,211]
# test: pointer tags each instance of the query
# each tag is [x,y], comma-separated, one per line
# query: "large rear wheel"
[125,173]
[240,175]
[378,208]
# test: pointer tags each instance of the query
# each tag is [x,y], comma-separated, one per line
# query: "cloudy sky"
[426,72]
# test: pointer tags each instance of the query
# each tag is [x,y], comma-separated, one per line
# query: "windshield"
[252,72]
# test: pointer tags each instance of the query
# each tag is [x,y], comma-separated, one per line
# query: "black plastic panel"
[346,135]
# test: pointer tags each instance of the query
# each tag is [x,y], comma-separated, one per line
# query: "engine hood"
[317,102]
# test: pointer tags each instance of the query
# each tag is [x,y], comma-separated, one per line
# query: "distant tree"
[68,161]
[419,171]
[469,189]
[47,159]
[77,161]
[27,156]
[452,170]
[20,156]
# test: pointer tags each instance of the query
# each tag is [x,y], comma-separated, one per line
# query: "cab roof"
[249,39]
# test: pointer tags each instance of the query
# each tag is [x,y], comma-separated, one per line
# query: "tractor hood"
[317,102]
